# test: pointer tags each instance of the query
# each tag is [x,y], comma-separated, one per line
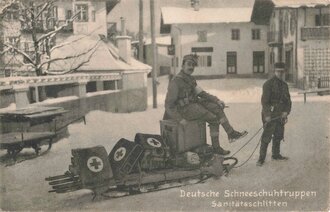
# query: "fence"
[24,91]
[319,82]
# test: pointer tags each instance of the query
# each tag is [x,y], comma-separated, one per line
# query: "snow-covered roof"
[300,3]
[94,54]
[177,15]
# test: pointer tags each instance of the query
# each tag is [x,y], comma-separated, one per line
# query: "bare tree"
[39,19]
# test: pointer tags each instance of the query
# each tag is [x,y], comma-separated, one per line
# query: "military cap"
[191,57]
[279,66]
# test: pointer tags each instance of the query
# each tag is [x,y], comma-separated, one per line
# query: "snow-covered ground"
[306,173]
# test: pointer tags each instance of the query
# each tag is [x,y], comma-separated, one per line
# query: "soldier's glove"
[268,119]
[221,104]
[284,117]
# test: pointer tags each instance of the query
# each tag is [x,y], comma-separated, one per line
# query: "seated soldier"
[185,101]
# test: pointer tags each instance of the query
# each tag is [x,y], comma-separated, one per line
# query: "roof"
[94,54]
[300,3]
[262,11]
[177,15]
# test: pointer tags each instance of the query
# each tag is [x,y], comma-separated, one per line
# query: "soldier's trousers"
[273,130]
[209,112]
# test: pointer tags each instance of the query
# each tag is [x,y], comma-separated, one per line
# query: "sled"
[101,179]
[15,142]
[145,165]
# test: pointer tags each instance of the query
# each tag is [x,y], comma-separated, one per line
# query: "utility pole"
[154,55]
[141,30]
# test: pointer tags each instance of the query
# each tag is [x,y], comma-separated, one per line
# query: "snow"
[97,93]
[57,100]
[94,54]
[306,143]
[177,15]
[10,107]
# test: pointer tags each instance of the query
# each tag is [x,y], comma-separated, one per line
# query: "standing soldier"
[187,101]
[276,106]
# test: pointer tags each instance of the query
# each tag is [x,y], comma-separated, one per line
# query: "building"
[9,32]
[227,42]
[163,58]
[90,19]
[299,35]
[96,55]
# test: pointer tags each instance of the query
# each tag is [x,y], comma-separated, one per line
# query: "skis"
[118,192]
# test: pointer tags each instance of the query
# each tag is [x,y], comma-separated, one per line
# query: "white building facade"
[226,41]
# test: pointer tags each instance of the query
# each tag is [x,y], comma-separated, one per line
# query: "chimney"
[124,47]
[195,4]
[123,26]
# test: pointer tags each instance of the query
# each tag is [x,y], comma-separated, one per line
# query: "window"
[202,36]
[326,20]
[11,15]
[317,20]
[255,34]
[204,55]
[82,9]
[286,25]
[55,12]
[258,62]
[93,15]
[68,14]
[293,22]
[14,41]
[322,20]
[204,60]
[235,34]
[271,57]
[26,47]
[231,62]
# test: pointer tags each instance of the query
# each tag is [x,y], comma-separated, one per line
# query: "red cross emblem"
[95,164]
[154,142]
[119,154]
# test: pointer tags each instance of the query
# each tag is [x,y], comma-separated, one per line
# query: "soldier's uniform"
[185,100]
[275,101]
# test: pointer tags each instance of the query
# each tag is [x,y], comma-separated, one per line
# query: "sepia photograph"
[164,105]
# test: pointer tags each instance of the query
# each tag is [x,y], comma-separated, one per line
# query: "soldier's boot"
[217,149]
[233,135]
[262,153]
[276,150]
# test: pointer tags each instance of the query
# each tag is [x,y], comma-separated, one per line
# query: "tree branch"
[44,7]
[78,39]
[71,56]
[5,50]
[72,69]
[58,29]
[21,52]
[24,7]
[66,43]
